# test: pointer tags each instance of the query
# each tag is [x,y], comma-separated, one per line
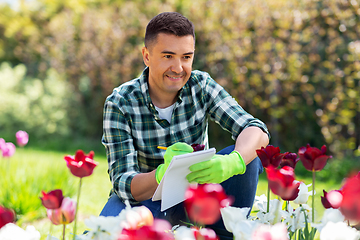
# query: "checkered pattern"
[132,129]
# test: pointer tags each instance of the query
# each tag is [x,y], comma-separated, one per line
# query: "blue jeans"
[241,187]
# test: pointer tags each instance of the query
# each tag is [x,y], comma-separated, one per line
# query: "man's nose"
[177,66]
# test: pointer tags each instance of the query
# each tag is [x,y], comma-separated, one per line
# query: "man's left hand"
[218,169]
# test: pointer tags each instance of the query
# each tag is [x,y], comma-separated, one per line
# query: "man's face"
[169,59]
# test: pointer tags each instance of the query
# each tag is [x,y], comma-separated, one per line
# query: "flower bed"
[286,216]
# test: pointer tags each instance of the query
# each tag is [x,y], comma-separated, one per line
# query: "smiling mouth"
[175,77]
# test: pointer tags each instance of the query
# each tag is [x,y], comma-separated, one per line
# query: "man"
[169,105]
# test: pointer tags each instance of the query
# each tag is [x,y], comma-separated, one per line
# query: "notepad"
[173,185]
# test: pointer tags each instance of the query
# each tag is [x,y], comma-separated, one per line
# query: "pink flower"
[282,182]
[268,232]
[313,158]
[6,216]
[2,143]
[270,156]
[160,230]
[331,199]
[22,138]
[8,149]
[63,215]
[203,202]
[52,199]
[81,165]
[204,234]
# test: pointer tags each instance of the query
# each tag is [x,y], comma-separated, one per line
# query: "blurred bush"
[294,64]
[37,106]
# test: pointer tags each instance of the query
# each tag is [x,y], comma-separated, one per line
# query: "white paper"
[173,185]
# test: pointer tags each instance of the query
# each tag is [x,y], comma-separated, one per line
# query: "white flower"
[184,233]
[270,232]
[101,227]
[13,232]
[303,195]
[296,218]
[330,215]
[244,229]
[274,210]
[338,231]
[232,215]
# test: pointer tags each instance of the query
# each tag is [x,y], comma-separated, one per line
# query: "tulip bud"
[22,138]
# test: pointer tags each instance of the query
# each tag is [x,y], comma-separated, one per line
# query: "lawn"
[45,170]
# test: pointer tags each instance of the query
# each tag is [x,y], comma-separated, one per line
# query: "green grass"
[31,170]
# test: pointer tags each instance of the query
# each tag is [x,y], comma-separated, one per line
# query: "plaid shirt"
[132,129]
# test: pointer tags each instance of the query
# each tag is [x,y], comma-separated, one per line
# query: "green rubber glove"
[174,150]
[218,169]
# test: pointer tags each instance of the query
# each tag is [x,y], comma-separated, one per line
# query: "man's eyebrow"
[169,52]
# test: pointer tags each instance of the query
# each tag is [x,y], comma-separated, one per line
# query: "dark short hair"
[168,22]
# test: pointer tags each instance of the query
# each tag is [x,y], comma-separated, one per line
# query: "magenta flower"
[289,159]
[203,202]
[52,199]
[270,156]
[63,215]
[8,149]
[22,138]
[81,165]
[281,182]
[313,158]
[6,216]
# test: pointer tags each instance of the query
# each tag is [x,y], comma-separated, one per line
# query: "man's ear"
[146,55]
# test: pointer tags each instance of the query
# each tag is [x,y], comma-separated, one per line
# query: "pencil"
[161,147]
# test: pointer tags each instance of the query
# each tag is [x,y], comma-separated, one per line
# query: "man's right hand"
[174,150]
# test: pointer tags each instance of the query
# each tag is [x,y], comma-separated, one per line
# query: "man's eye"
[167,56]
[187,57]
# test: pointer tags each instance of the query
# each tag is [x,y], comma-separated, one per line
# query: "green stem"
[50,228]
[63,232]
[313,198]
[77,209]
[268,198]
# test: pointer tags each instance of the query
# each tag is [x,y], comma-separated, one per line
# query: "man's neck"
[163,101]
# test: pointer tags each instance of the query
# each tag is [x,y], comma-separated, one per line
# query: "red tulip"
[81,165]
[22,138]
[332,199]
[160,230]
[270,156]
[313,158]
[281,182]
[289,159]
[52,199]
[6,216]
[204,234]
[350,204]
[203,202]
[197,147]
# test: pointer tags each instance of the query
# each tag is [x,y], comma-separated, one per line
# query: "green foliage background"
[295,64]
